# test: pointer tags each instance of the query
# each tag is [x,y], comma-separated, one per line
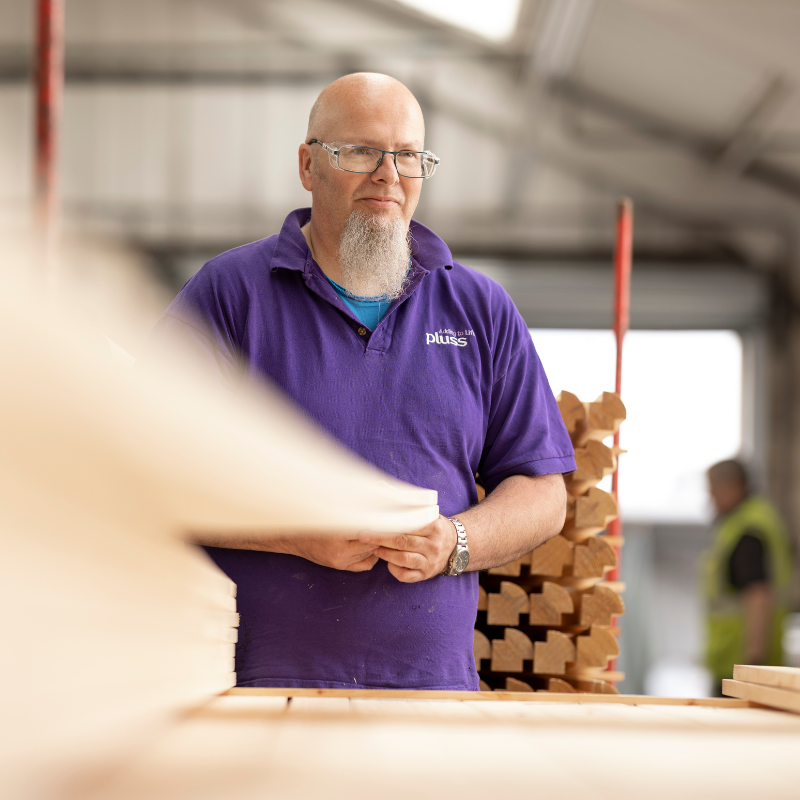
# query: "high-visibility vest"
[724,609]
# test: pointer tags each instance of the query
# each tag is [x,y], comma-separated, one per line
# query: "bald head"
[730,471]
[355,207]
[727,484]
[353,104]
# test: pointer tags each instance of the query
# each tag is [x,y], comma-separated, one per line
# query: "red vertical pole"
[622,305]
[622,315]
[49,91]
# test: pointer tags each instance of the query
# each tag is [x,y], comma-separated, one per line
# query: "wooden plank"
[594,460]
[551,657]
[595,649]
[229,706]
[599,605]
[591,514]
[552,557]
[602,419]
[514,685]
[594,673]
[414,711]
[783,699]
[548,606]
[593,686]
[482,601]
[779,677]
[572,410]
[561,686]
[505,606]
[432,694]
[593,558]
[509,652]
[481,647]
[575,748]
[614,541]
[319,705]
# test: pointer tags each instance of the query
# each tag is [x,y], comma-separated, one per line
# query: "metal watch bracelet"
[459,558]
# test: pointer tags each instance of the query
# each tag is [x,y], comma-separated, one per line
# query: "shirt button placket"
[362,331]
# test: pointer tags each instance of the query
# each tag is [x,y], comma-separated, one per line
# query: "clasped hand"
[411,557]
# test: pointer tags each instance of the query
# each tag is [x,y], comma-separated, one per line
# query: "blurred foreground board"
[112,624]
[294,744]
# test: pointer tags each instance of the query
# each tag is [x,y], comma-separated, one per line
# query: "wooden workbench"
[271,743]
[113,629]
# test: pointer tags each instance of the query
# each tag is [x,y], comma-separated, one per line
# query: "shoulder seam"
[508,366]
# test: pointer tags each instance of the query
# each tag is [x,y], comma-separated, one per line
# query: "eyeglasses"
[356,158]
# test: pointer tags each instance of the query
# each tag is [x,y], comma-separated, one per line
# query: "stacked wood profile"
[546,621]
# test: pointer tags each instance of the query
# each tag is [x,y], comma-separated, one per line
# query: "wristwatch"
[459,558]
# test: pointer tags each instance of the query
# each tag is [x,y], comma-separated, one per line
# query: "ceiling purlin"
[701,146]
[504,58]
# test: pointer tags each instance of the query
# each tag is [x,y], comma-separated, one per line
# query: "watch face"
[461,561]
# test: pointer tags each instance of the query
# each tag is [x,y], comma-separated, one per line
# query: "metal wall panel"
[663,296]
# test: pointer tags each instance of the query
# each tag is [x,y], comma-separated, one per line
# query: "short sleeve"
[748,563]
[525,434]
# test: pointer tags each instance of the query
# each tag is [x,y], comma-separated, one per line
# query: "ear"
[304,164]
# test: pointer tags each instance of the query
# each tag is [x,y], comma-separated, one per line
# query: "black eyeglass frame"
[329,148]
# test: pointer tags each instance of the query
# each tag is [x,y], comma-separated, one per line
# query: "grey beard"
[373,255]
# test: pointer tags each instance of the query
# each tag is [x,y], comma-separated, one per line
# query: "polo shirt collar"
[291,250]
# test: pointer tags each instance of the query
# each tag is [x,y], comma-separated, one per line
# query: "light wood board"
[424,694]
[780,677]
[784,699]
[395,747]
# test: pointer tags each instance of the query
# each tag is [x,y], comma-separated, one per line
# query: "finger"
[363,566]
[357,550]
[407,575]
[402,541]
[401,558]
[407,543]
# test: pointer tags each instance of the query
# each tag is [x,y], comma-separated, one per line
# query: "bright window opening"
[683,392]
[494,20]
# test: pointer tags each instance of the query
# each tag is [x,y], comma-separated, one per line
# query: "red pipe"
[49,92]
[622,305]
[622,317]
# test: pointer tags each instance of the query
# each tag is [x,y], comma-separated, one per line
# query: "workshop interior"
[202,413]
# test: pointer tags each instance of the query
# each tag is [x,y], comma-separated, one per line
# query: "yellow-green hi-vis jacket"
[724,610]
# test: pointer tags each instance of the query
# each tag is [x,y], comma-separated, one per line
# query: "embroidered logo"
[448,336]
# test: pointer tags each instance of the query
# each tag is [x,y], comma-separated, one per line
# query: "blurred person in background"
[746,577]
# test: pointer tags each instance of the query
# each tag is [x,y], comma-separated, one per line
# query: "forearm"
[519,515]
[337,551]
[757,606]
[267,543]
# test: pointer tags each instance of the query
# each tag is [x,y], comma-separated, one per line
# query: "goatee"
[374,254]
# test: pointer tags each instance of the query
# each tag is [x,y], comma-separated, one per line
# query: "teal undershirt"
[370,310]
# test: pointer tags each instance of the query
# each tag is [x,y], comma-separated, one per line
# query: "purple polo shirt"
[447,385]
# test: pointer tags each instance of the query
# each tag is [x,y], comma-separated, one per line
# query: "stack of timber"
[777,687]
[546,622]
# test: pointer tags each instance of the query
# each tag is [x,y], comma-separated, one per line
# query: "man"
[418,364]
[747,575]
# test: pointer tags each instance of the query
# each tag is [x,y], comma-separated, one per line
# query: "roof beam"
[748,137]
[702,147]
